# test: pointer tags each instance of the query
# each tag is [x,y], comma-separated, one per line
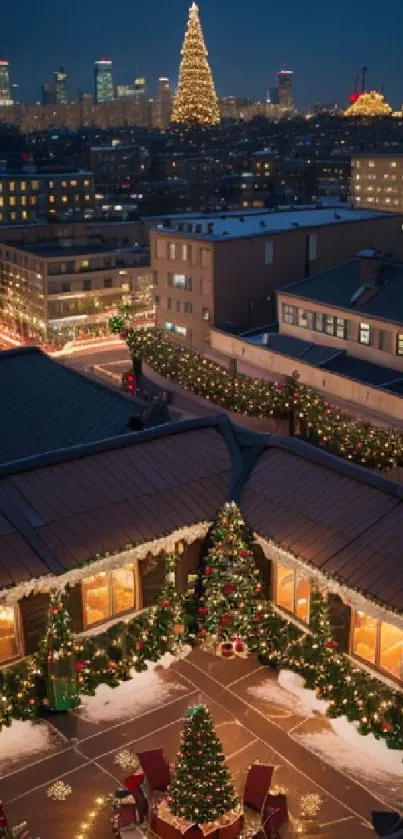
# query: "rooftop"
[52,250]
[338,287]
[235,226]
[35,174]
[61,508]
[46,406]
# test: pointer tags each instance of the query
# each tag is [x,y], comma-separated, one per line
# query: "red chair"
[156,770]
[275,802]
[272,825]
[257,785]
[231,831]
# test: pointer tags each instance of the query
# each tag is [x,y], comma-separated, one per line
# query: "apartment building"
[356,308]
[53,292]
[377,181]
[223,269]
[38,196]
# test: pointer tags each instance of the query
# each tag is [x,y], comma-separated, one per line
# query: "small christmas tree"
[231,608]
[62,683]
[201,787]
[164,628]
[195,101]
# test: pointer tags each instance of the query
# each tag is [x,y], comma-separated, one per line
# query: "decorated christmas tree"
[163,629]
[62,685]
[231,607]
[201,787]
[195,101]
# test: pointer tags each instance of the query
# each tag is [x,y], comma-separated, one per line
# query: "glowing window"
[96,600]
[391,650]
[365,636]
[64,199]
[8,633]
[285,588]
[302,598]
[123,589]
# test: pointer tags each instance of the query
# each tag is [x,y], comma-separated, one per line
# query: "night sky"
[325,42]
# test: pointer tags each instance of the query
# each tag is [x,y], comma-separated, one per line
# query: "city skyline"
[312,46]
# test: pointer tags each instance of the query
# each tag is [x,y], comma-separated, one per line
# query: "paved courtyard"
[82,753]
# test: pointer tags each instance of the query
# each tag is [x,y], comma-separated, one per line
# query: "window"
[64,199]
[179,330]
[206,314]
[292,592]
[66,287]
[73,183]
[341,328]
[364,333]
[108,282]
[172,250]
[180,281]
[312,247]
[289,313]
[319,322]
[379,643]
[205,257]
[161,248]
[1,201]
[23,200]
[86,183]
[185,253]
[393,164]
[24,215]
[188,308]
[178,305]
[329,324]
[87,197]
[11,201]
[87,285]
[383,340]
[399,344]
[51,199]
[156,300]
[169,303]
[305,319]
[8,633]
[108,594]
[85,263]
[371,164]
[11,186]
[268,253]
[23,186]
[51,184]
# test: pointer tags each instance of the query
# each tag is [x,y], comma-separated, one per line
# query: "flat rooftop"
[238,225]
[9,174]
[51,251]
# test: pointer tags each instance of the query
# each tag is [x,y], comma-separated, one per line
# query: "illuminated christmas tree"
[201,787]
[195,101]
[370,104]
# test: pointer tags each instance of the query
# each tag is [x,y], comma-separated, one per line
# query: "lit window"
[305,319]
[24,215]
[371,164]
[1,201]
[161,248]
[8,633]
[172,250]
[341,328]
[206,314]
[11,201]
[85,263]
[185,253]
[123,589]
[289,313]
[364,333]
[13,215]
[365,637]
[64,199]
[96,600]
[11,186]
[23,200]
[329,324]
[399,344]
[188,308]
[393,164]
[73,183]
[391,650]
[51,199]
[87,197]
[64,184]
[86,183]
[292,592]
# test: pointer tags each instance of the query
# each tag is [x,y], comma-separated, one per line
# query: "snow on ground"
[144,690]
[341,745]
[290,694]
[22,740]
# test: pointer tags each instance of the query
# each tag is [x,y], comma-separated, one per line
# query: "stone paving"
[83,755]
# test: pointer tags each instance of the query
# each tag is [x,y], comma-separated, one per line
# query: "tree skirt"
[163,816]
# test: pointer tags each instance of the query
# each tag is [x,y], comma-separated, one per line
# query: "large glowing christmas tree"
[195,101]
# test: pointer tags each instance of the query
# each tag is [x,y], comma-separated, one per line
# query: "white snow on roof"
[252,224]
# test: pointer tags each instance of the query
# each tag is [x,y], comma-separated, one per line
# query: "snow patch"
[23,739]
[142,691]
[294,683]
[390,760]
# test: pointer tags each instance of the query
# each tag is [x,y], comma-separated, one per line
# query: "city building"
[124,90]
[312,512]
[285,91]
[104,90]
[5,84]
[60,87]
[47,94]
[54,292]
[273,96]
[31,195]
[140,88]
[222,269]
[116,167]
[377,181]
[164,104]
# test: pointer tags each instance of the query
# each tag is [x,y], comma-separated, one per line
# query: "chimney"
[370,263]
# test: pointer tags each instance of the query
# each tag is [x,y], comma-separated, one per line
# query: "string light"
[371,104]
[195,101]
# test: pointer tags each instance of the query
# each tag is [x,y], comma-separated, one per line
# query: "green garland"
[341,434]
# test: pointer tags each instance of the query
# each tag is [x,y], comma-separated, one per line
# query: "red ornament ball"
[245,553]
[226,619]
[208,570]
[239,645]
[139,645]
[258,587]
[203,611]
[331,645]
[80,665]
[166,604]
[228,588]
[387,726]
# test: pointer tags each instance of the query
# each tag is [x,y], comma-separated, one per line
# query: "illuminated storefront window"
[8,634]
[108,594]
[292,592]
[379,643]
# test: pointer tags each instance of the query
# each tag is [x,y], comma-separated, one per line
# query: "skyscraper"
[60,87]
[104,91]
[164,103]
[140,88]
[195,101]
[285,91]
[5,86]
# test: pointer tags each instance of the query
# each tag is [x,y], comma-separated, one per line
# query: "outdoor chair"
[257,786]
[278,802]
[156,770]
[272,824]
[231,831]
[387,823]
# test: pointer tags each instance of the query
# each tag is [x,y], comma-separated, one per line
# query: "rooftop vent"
[370,263]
